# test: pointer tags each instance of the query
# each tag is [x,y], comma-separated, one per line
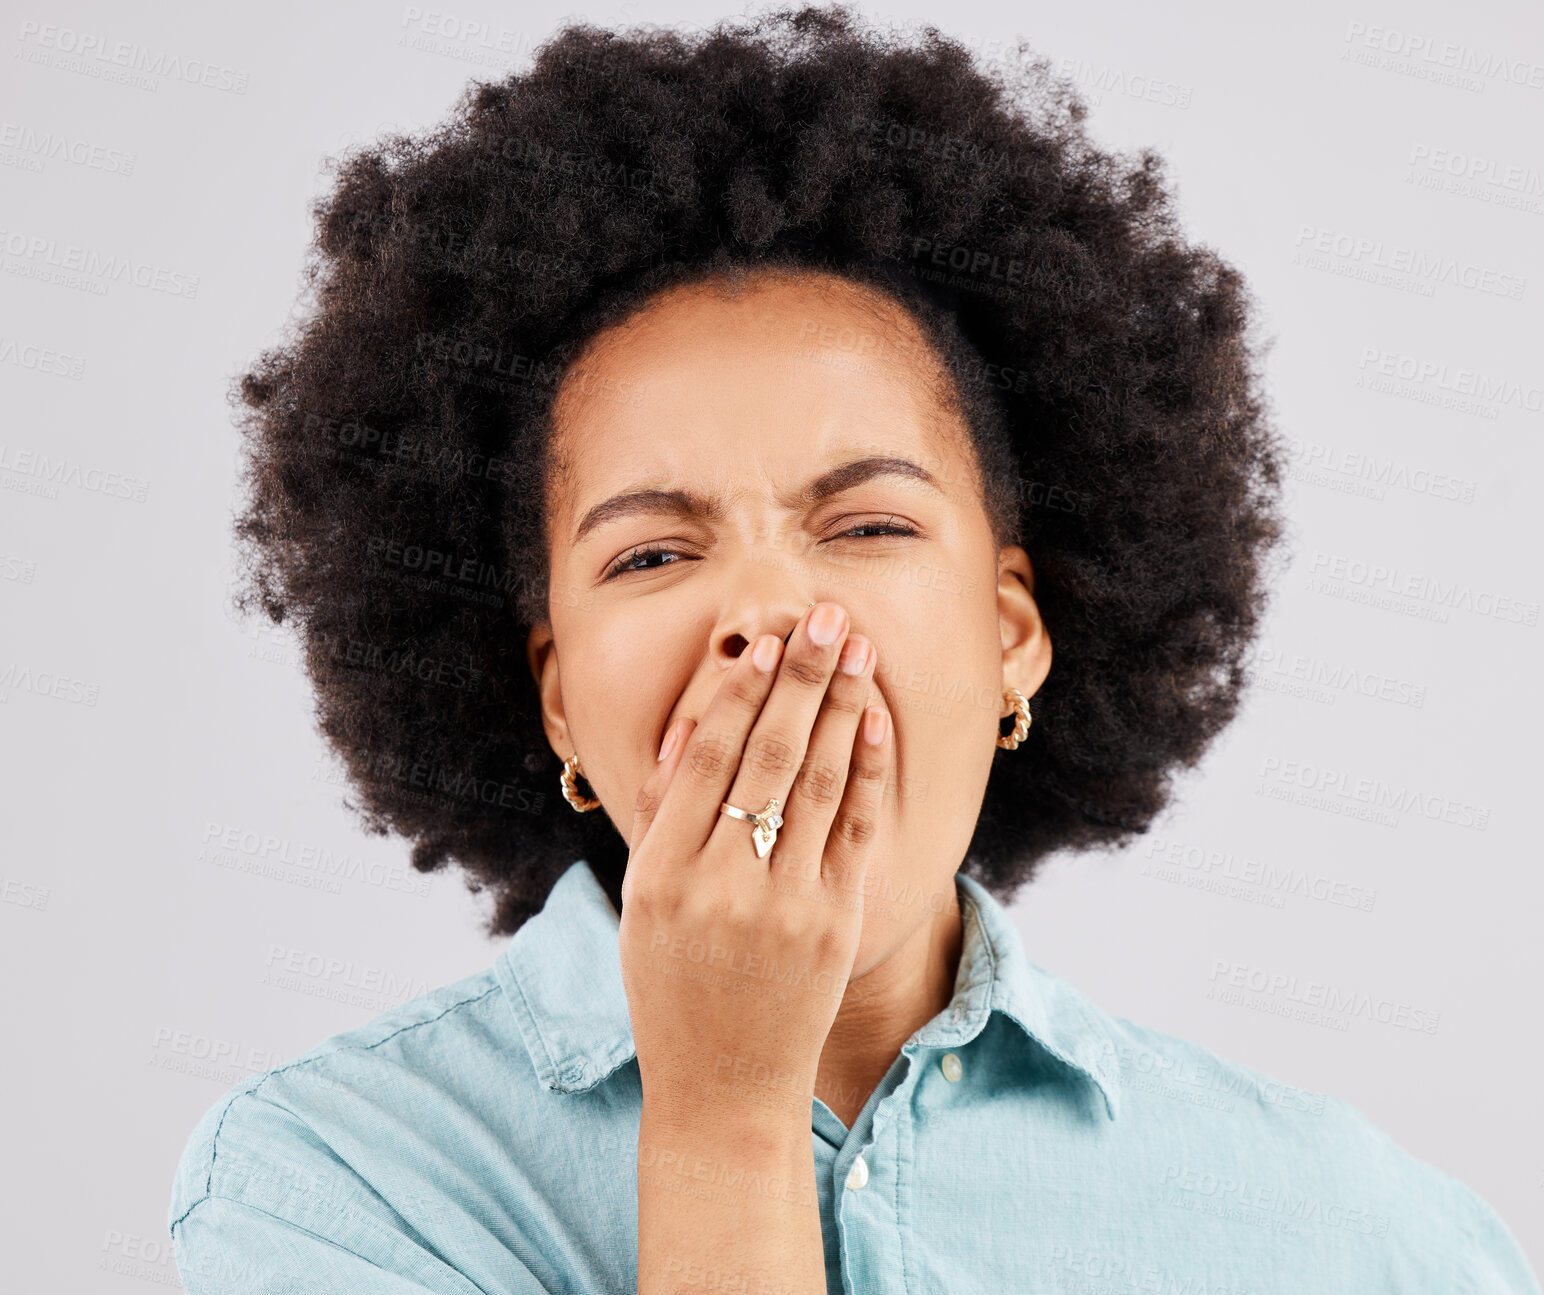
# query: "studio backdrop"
[1345,894]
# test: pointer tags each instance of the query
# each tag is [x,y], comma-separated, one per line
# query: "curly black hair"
[397,460]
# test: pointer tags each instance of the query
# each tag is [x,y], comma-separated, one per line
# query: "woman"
[727,431]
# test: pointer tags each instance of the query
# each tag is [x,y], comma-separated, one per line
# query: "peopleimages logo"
[1212,1076]
[57,147]
[285,966]
[1418,50]
[1476,167]
[1094,1273]
[40,359]
[31,472]
[36,257]
[335,864]
[1426,268]
[1488,388]
[94,54]
[214,1052]
[1378,579]
[1276,1198]
[1108,80]
[1268,879]
[1374,794]
[1345,470]
[1321,680]
[1317,995]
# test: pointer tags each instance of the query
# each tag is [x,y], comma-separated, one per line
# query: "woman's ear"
[1026,645]
[541,654]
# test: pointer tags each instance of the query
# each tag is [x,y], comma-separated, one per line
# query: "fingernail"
[855,655]
[876,723]
[764,654]
[668,745]
[825,624]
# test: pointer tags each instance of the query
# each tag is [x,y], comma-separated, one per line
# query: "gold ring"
[763,825]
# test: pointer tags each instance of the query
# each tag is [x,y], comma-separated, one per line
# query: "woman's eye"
[625,563]
[639,559]
[887,527]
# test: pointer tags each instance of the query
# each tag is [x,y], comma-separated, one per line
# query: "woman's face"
[708,495]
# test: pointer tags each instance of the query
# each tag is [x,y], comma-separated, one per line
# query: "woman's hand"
[734,966]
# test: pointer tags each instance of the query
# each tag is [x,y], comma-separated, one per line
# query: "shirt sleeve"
[275,1210]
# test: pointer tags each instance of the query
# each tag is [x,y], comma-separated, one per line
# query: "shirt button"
[950,1065]
[857,1176]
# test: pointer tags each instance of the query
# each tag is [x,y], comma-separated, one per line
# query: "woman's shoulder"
[416,1151]
[1237,1141]
[283,1130]
[1228,1108]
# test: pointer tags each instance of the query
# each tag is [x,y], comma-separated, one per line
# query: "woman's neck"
[886,1007]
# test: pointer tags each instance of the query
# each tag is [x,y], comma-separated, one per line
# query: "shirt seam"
[1471,1248]
[214,1142]
[289,1222]
[530,1015]
[1470,1207]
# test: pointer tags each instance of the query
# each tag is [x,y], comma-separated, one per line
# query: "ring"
[763,825]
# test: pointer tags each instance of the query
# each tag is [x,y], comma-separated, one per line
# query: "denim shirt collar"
[561,974]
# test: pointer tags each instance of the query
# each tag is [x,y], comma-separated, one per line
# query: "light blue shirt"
[484,1138]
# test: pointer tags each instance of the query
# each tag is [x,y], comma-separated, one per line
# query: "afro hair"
[396,468]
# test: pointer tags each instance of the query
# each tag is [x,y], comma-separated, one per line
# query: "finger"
[646,806]
[821,781]
[778,739]
[689,810]
[652,794]
[848,845]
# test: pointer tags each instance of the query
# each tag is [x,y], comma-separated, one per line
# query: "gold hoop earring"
[1020,704]
[569,783]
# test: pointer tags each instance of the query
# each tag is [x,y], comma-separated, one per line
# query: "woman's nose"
[737,643]
[792,627]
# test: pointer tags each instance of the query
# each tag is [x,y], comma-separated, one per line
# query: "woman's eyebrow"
[688,503]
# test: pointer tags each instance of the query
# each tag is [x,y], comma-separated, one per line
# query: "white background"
[140,718]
